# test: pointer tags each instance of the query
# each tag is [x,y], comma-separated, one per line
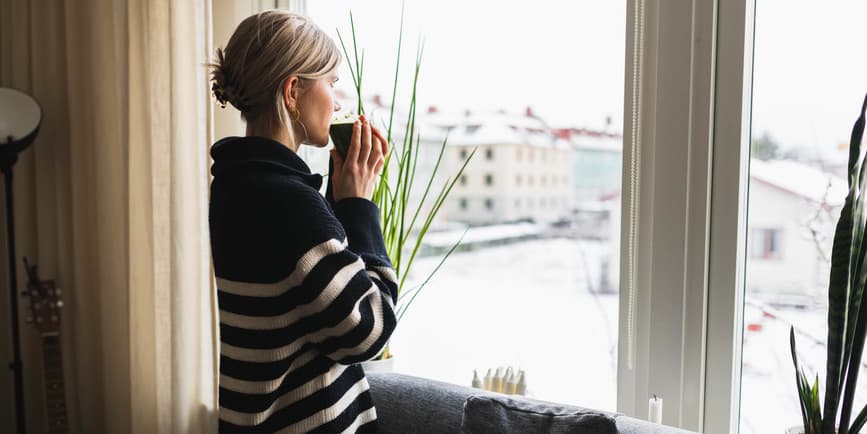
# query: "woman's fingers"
[377,168]
[375,147]
[338,161]
[383,143]
[354,143]
[364,153]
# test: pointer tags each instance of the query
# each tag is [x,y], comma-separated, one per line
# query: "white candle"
[654,410]
[477,383]
[488,382]
[521,386]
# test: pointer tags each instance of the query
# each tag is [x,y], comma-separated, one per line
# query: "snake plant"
[847,315]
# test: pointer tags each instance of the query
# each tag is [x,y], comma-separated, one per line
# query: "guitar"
[45,307]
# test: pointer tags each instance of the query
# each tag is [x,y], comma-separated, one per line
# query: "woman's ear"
[290,91]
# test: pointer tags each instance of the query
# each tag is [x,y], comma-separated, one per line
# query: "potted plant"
[847,315]
[392,194]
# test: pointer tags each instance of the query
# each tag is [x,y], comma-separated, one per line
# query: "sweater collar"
[236,153]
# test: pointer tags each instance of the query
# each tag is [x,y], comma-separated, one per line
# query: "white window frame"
[686,124]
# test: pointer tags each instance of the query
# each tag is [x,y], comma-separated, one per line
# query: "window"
[702,93]
[684,244]
[463,179]
[797,184]
[518,180]
[766,244]
[512,254]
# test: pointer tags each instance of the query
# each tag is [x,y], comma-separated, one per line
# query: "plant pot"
[382,365]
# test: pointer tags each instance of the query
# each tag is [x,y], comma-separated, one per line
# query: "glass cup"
[341,135]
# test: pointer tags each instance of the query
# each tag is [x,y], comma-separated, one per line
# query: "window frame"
[687,98]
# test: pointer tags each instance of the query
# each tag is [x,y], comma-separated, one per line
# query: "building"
[521,170]
[793,209]
[598,162]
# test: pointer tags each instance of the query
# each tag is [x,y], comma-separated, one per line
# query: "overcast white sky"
[565,59]
[810,72]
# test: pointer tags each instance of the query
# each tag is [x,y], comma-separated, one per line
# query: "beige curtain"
[111,201]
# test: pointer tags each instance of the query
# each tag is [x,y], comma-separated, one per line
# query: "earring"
[294,114]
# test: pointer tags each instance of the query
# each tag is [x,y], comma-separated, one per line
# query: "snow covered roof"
[600,143]
[487,128]
[482,234]
[800,179]
[494,128]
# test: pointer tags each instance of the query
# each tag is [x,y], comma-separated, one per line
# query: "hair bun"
[223,90]
[226,93]
[219,94]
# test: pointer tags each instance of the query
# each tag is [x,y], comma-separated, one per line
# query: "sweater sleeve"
[352,276]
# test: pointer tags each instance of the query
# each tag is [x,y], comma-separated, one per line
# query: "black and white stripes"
[305,290]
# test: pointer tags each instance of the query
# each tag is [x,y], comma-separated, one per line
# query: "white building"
[523,169]
[520,171]
[793,209]
[792,213]
[598,163]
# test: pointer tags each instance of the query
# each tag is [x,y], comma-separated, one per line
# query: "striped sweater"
[305,288]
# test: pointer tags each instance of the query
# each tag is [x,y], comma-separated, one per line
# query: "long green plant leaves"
[393,196]
[858,319]
[847,314]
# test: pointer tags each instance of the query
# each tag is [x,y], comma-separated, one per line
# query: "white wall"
[800,270]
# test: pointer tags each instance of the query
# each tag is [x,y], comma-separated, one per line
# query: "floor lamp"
[20,116]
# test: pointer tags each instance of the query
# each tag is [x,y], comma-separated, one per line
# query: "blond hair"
[263,52]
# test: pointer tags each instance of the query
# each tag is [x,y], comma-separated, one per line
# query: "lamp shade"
[20,116]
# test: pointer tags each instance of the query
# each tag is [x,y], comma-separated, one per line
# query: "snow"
[531,305]
[481,234]
[610,144]
[803,180]
[525,305]
[769,374]
[490,128]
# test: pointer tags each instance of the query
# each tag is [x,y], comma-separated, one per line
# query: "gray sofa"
[408,405]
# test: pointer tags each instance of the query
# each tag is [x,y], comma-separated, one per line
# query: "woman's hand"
[356,176]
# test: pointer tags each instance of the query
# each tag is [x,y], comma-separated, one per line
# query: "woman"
[304,283]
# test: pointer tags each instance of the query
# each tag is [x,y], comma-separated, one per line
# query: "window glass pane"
[808,84]
[538,87]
